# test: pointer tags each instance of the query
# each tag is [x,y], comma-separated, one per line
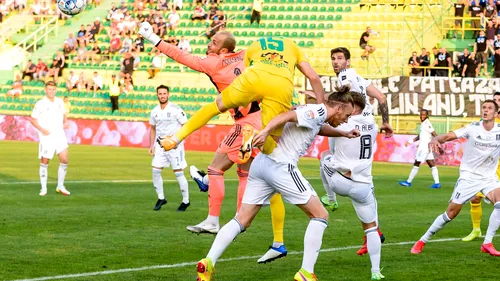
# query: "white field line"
[184,264]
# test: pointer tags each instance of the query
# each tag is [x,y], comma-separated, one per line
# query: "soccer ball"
[71,7]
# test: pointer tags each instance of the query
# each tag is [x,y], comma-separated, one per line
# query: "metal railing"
[445,24]
[42,33]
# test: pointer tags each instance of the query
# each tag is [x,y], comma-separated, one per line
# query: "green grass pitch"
[108,225]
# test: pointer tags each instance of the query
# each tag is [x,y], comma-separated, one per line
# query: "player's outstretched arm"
[373,92]
[283,118]
[436,143]
[329,131]
[152,138]
[313,77]
[194,62]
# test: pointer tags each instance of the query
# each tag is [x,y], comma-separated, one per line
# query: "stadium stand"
[317,26]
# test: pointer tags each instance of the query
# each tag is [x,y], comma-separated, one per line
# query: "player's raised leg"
[199,177]
[476,212]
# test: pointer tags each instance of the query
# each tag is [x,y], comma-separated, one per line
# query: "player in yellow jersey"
[268,78]
[476,210]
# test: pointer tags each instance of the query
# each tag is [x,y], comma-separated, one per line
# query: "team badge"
[309,115]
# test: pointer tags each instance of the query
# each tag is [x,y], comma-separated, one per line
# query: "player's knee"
[452,213]
[322,213]
[220,104]
[369,225]
[416,164]
[476,200]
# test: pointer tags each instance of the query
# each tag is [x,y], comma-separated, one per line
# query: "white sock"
[61,174]
[374,248]
[493,224]
[44,175]
[332,196]
[183,185]
[435,174]
[312,243]
[224,237]
[438,223]
[158,183]
[213,220]
[413,173]
[277,244]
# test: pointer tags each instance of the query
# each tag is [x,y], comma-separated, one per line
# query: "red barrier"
[136,134]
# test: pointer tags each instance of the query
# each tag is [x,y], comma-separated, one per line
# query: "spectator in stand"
[19,5]
[222,19]
[128,83]
[115,44]
[424,61]
[432,60]
[72,42]
[67,50]
[213,11]
[462,61]
[127,65]
[115,89]
[175,5]
[496,43]
[160,27]
[162,5]
[81,53]
[475,11]
[53,71]
[90,37]
[496,73]
[96,83]
[139,43]
[363,44]
[72,81]
[114,8]
[97,26]
[41,70]
[481,50]
[471,67]
[157,64]
[127,45]
[256,11]
[17,87]
[82,82]
[184,45]
[81,35]
[45,9]
[414,64]
[173,20]
[29,70]
[443,59]
[123,7]
[490,9]
[94,53]
[199,13]
[137,59]
[35,8]
[138,6]
[67,106]
[459,13]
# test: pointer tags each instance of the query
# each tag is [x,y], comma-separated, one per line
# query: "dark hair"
[342,50]
[50,83]
[496,93]
[493,102]
[426,111]
[162,87]
[340,95]
[358,99]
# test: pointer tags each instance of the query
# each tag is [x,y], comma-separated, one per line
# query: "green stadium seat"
[301,44]
[296,17]
[306,9]
[339,9]
[314,8]
[269,34]
[279,25]
[295,25]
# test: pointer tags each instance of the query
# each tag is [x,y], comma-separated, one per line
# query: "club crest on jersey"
[498,137]
[309,115]
[168,114]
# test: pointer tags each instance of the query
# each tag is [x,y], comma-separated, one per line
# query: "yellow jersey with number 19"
[275,55]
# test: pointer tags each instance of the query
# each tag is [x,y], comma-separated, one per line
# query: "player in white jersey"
[166,119]
[49,118]
[477,174]
[278,173]
[341,63]
[348,172]
[423,152]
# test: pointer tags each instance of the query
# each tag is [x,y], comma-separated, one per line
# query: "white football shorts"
[424,155]
[175,157]
[466,189]
[361,194]
[267,177]
[53,143]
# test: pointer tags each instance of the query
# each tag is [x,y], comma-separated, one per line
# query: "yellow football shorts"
[274,93]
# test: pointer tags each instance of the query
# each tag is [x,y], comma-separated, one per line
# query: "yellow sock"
[476,212]
[278,217]
[198,120]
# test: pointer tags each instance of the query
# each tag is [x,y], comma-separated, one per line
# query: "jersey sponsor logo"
[169,114]
[228,61]
[309,115]
[274,59]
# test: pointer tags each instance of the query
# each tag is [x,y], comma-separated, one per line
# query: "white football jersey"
[425,135]
[358,84]
[168,120]
[298,137]
[50,114]
[356,155]
[481,152]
